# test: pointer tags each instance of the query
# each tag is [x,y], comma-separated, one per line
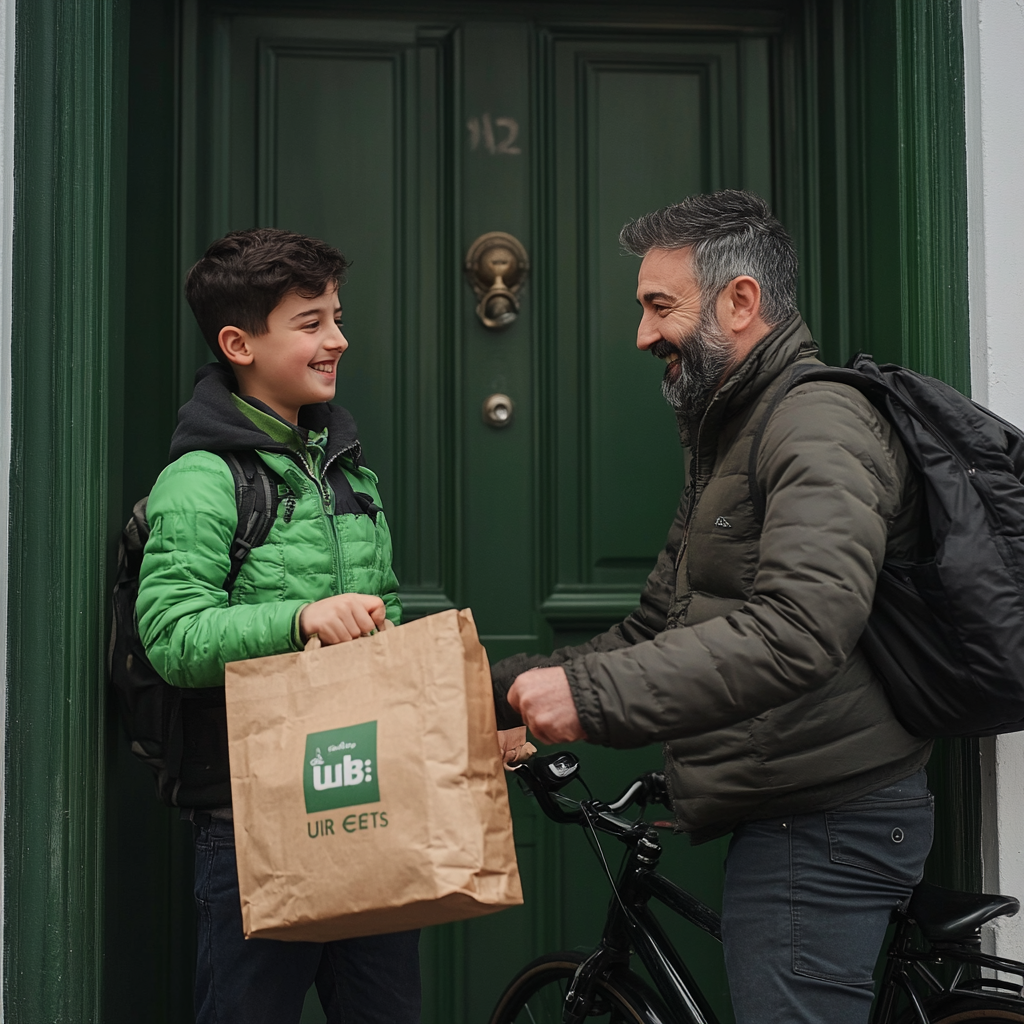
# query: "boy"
[267,303]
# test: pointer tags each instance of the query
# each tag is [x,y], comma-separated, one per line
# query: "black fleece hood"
[211,422]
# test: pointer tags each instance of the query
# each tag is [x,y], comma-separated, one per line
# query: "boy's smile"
[295,362]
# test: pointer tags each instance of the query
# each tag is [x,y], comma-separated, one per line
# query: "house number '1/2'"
[481,129]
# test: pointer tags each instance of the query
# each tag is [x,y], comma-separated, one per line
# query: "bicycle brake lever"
[656,790]
[544,790]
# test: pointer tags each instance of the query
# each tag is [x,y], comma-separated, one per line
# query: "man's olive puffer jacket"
[742,657]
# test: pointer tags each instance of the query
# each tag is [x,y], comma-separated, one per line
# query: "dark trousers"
[807,901]
[374,980]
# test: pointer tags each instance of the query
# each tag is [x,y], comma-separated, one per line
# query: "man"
[742,656]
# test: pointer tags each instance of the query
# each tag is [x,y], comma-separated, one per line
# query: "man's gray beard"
[704,356]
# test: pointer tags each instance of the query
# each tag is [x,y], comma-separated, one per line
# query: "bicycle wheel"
[536,995]
[968,1009]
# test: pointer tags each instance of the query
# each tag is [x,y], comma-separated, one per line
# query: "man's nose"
[335,339]
[647,333]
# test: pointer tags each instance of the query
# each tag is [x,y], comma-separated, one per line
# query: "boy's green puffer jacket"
[321,543]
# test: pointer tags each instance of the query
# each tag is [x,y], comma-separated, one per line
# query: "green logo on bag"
[341,768]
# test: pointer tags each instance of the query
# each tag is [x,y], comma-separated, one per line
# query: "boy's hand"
[512,742]
[342,617]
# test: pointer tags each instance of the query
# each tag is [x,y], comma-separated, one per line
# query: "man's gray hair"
[733,234]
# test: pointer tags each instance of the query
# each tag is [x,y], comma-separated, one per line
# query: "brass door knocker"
[497,267]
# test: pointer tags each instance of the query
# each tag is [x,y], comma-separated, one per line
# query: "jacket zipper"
[695,466]
[329,517]
[326,512]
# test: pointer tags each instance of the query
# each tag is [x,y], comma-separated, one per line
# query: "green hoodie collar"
[271,424]
[305,443]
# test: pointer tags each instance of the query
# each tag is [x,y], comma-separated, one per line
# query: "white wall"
[994,85]
[6,263]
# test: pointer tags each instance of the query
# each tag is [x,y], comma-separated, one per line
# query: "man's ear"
[234,343]
[739,304]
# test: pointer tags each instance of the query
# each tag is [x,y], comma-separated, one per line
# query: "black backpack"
[946,635]
[151,708]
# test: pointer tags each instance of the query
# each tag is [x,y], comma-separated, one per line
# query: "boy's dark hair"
[732,233]
[245,274]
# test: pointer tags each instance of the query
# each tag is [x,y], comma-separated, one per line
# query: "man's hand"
[543,698]
[342,617]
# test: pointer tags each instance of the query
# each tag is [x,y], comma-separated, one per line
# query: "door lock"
[497,411]
[497,267]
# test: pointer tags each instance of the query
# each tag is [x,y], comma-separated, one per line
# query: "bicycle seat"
[948,915]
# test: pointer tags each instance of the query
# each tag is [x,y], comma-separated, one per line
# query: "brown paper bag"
[368,791]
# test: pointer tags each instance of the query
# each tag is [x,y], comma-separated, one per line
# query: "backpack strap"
[803,373]
[347,500]
[256,499]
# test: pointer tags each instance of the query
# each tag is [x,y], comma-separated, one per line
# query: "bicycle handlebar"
[544,776]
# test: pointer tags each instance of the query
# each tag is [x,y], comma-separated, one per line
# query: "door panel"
[401,141]
[640,133]
[322,126]
[638,124]
[347,157]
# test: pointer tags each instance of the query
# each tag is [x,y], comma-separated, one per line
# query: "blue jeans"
[807,901]
[374,980]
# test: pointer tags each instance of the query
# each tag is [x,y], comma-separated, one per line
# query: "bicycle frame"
[631,927]
[640,928]
[906,971]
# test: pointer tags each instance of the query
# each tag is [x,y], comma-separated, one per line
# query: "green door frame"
[71,57]
[68,353]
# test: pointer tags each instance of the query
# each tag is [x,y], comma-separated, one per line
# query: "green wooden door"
[401,141]
[867,114]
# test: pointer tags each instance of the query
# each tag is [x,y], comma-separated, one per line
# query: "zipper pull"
[289,499]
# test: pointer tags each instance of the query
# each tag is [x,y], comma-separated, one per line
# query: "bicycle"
[936,929]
